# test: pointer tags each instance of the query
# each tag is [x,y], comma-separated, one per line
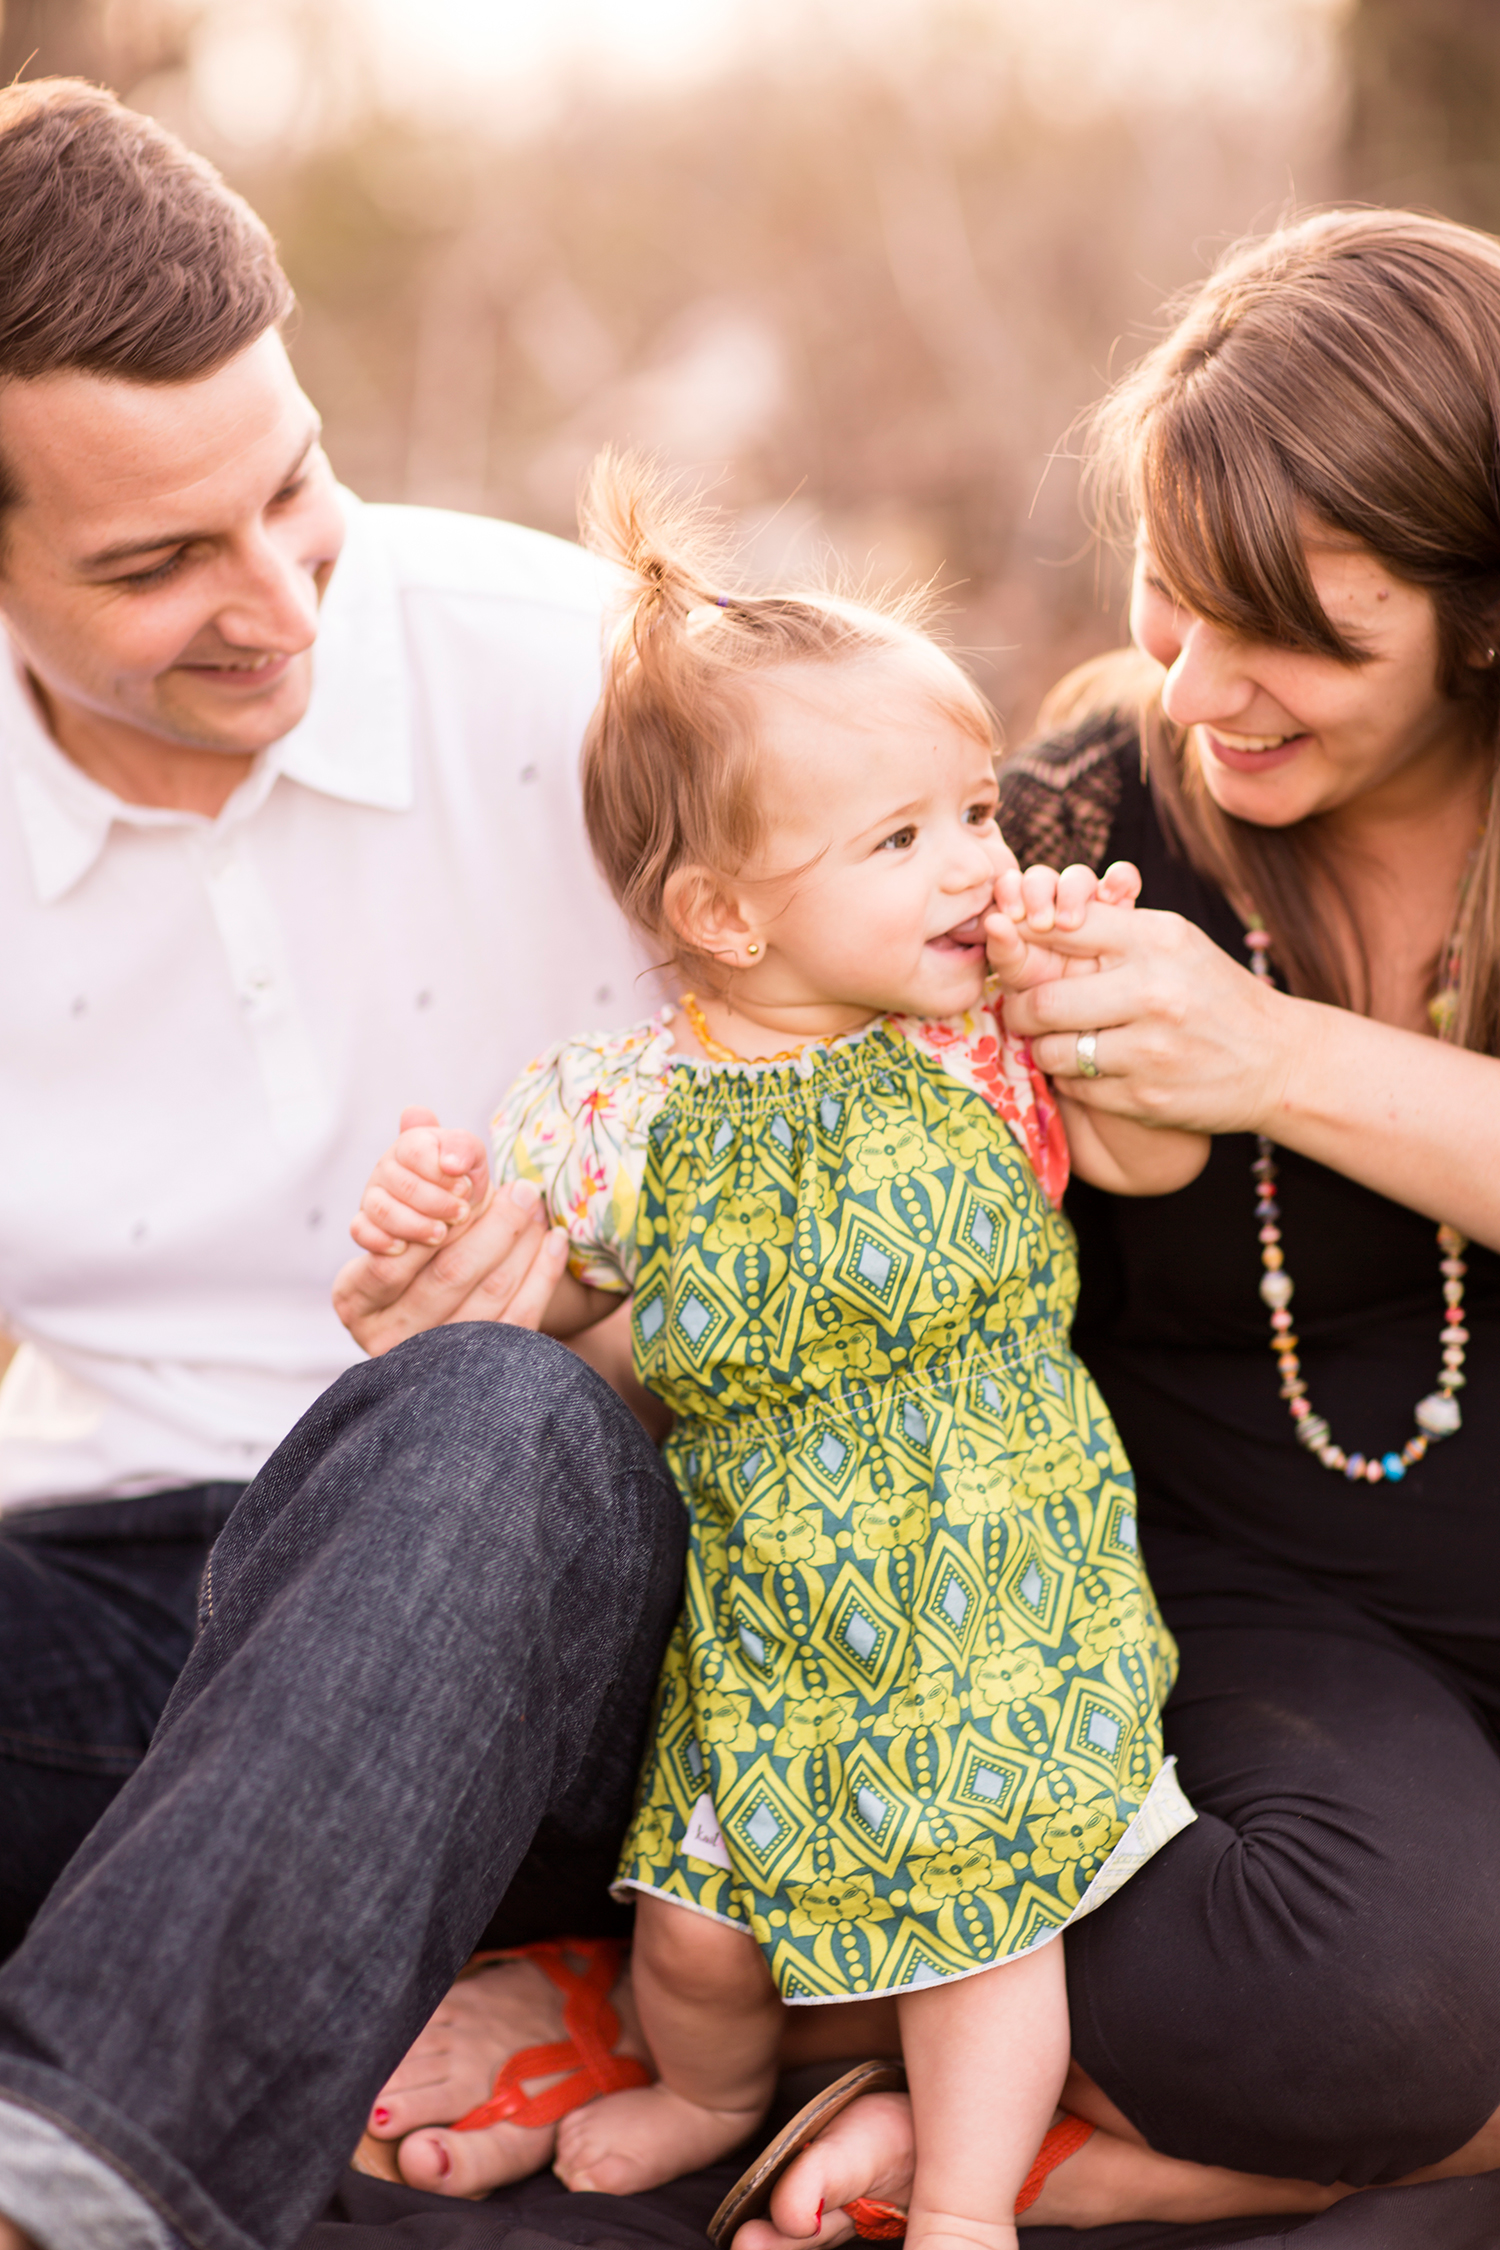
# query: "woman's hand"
[1183,1035]
[1186,1037]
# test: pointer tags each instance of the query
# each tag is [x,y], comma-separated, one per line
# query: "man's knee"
[483,1415]
[467,1465]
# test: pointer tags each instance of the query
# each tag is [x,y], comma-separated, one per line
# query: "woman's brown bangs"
[1220,513]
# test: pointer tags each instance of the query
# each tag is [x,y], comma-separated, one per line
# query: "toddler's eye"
[898,841]
[980,816]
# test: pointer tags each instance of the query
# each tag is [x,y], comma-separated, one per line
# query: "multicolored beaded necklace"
[1437,1415]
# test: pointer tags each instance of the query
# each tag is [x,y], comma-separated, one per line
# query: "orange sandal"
[883,2222]
[586,2053]
[592,2027]
[874,2221]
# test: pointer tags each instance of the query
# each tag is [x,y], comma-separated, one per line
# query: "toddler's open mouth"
[964,937]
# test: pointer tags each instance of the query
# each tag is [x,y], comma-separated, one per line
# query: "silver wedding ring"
[1084,1047]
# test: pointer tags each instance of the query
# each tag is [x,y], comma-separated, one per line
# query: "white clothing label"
[703,1840]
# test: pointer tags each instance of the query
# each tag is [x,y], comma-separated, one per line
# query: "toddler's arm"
[1116,1153]
[430,1186]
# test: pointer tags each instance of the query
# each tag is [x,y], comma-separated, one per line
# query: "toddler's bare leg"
[986,2057]
[713,2022]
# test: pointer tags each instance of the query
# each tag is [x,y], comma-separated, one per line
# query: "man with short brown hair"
[288,833]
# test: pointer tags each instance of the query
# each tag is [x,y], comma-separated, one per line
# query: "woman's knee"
[1294,2000]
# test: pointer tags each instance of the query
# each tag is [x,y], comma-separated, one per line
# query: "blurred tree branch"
[1424,106]
[114,42]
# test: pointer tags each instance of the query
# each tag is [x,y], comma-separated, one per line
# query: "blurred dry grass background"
[860,268]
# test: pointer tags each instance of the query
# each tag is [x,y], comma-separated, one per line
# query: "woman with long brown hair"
[1301,1347]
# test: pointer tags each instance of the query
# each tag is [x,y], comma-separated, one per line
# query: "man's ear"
[708,917]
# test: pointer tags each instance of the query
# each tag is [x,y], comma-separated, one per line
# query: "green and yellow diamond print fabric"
[912,1705]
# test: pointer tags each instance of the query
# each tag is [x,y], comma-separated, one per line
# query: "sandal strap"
[1064,2139]
[586,2054]
[882,2222]
[875,2221]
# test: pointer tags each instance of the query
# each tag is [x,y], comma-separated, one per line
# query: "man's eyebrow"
[129,549]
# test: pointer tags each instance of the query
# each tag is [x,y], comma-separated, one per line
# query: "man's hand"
[440,1247]
[1030,907]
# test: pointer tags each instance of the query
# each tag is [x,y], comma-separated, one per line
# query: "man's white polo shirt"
[209,1028]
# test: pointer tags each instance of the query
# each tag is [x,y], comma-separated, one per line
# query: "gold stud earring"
[753,947]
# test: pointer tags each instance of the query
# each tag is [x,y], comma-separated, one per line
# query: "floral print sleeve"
[575,1122]
[982,1055]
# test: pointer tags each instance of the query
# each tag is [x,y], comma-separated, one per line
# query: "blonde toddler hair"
[670,756]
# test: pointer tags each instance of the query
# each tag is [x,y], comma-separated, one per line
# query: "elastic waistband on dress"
[855,1399]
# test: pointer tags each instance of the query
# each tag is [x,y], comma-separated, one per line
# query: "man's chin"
[237,722]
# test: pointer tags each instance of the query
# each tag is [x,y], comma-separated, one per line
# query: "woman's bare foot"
[870,2150]
[628,2142]
[451,2068]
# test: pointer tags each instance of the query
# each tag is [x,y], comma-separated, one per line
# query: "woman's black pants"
[1307,1981]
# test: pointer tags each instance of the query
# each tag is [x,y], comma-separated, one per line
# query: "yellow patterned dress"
[909,1722]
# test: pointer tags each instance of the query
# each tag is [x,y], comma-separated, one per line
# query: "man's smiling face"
[162,566]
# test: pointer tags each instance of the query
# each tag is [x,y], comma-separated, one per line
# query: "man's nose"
[272,601]
[1206,680]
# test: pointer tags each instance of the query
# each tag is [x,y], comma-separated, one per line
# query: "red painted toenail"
[381,2116]
[818,2221]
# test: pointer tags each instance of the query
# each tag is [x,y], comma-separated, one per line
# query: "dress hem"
[1163,1813]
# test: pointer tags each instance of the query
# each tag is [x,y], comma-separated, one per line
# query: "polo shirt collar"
[354,741]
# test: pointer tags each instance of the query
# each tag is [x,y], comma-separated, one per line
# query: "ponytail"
[669,757]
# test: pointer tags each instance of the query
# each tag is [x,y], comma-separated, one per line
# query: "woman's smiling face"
[1280,733]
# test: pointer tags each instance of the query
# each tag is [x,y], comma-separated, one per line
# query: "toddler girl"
[908,1727]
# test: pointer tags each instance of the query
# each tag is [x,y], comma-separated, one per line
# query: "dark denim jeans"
[429,1638]
[97,1608]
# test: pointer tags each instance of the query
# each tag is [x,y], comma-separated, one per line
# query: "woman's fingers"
[1183,1034]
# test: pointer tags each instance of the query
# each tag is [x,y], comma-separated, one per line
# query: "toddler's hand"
[1030,906]
[426,1188]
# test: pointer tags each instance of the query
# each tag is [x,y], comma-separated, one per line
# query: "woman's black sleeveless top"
[1242,1525]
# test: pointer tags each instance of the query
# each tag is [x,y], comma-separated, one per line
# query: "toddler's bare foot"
[639,2139]
[451,2068]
